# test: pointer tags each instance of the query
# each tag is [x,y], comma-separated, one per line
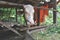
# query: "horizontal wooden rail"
[9,4]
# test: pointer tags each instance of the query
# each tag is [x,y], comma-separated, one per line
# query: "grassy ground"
[54,36]
[50,33]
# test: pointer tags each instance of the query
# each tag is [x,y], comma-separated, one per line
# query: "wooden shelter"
[17,4]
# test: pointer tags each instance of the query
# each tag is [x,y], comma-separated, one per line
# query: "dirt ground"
[8,35]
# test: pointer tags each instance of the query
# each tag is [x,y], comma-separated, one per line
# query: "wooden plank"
[31,28]
[9,4]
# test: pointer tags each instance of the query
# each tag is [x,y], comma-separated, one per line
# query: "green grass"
[50,33]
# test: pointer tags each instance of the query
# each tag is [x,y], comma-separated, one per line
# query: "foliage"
[51,32]
[9,14]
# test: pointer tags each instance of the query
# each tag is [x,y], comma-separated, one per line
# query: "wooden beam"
[31,28]
[9,4]
[54,12]
[38,17]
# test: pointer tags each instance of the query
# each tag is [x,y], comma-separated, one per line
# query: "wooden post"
[54,12]
[38,17]
[16,14]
